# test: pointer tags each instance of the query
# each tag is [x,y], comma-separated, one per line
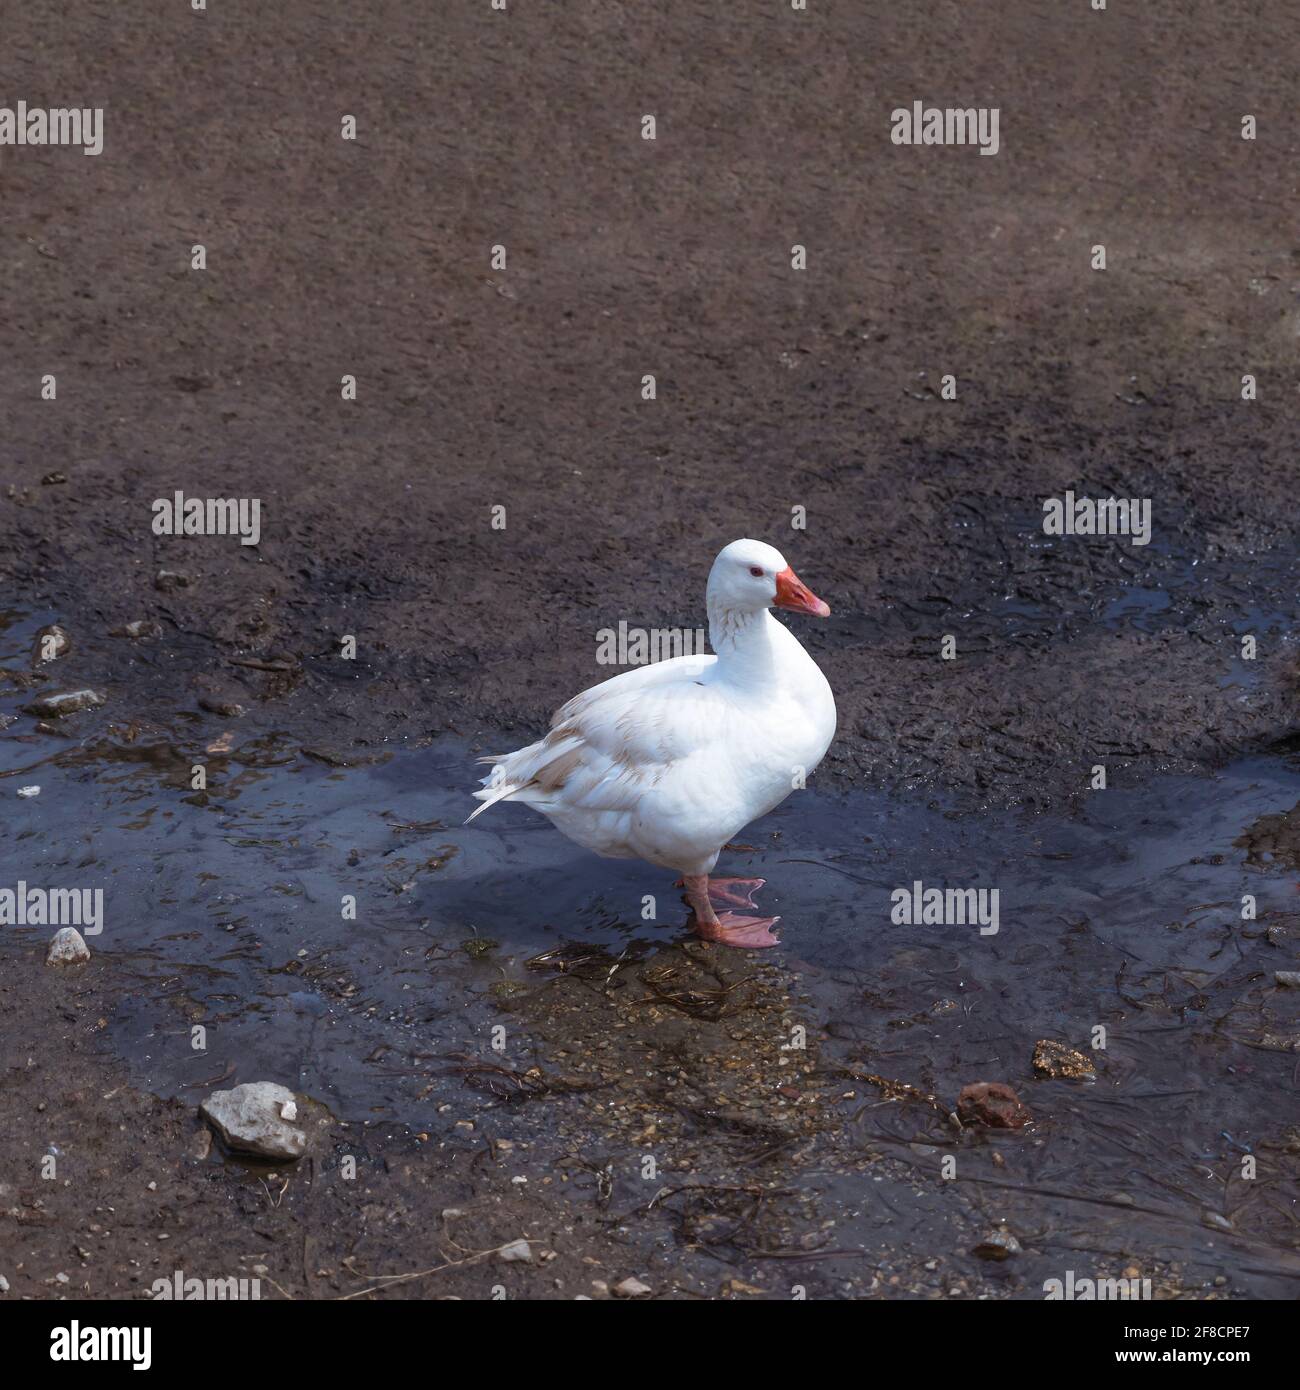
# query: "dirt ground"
[521,388]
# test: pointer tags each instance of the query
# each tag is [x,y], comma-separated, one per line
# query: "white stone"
[516,1250]
[67,948]
[631,1288]
[249,1119]
[29,791]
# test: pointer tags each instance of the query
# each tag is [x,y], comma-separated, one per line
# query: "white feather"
[668,762]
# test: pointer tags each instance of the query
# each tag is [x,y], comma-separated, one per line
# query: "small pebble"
[51,643]
[1001,1245]
[62,702]
[249,1119]
[631,1288]
[141,627]
[29,791]
[67,948]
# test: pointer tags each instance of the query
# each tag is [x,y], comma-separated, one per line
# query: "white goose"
[668,762]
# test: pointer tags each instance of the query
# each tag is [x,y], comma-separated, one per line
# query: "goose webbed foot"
[730,892]
[727,928]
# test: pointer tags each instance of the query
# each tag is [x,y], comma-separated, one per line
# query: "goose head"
[749,576]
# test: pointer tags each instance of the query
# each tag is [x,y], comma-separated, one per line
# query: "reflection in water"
[339,930]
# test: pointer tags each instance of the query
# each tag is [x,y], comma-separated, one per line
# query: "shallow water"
[225,908]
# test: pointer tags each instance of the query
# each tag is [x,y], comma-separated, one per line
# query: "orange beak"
[794,594]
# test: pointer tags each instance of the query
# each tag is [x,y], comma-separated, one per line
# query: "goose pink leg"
[727,928]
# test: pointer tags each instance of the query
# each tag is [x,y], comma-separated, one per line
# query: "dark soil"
[521,388]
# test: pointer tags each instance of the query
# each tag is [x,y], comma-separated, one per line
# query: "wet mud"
[503,1006]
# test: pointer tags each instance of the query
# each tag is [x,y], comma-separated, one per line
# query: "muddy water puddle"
[338,929]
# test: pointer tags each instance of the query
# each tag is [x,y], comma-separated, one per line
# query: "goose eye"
[756,572]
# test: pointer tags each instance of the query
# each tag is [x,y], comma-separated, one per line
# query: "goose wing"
[612,743]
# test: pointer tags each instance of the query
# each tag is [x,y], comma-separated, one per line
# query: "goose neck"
[742,639]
